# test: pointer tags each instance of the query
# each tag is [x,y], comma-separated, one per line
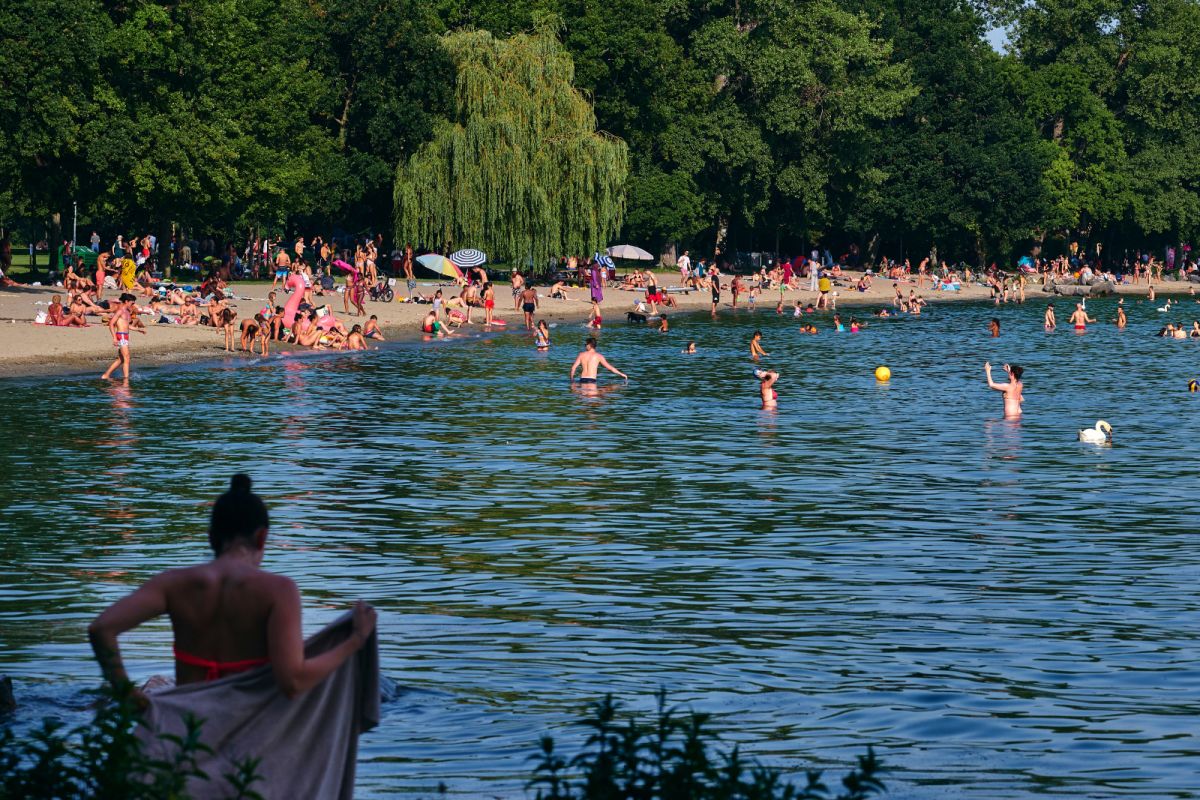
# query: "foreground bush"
[104,759]
[672,757]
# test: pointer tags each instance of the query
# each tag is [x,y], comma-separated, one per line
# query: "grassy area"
[20,262]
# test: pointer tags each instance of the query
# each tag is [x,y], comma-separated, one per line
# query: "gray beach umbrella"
[469,257]
[629,251]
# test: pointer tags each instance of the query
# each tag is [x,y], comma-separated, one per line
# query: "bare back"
[589,363]
[220,612]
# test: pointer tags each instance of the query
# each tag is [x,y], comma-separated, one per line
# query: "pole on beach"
[74,225]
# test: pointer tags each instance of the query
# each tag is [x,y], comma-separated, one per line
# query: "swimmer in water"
[1080,319]
[994,327]
[756,348]
[766,388]
[662,324]
[1012,390]
[1049,322]
[691,348]
[589,361]
[541,338]
[1122,320]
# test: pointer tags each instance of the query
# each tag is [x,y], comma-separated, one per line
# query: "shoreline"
[33,351]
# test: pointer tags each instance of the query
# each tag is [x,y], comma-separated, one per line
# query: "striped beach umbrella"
[469,257]
[604,261]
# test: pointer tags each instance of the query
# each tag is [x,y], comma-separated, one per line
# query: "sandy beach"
[31,349]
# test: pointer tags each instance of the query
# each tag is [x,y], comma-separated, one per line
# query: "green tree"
[650,94]
[1157,95]
[205,117]
[384,80]
[963,167]
[1114,87]
[519,169]
[48,90]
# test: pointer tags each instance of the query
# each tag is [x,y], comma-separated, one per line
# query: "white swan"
[1166,308]
[1101,434]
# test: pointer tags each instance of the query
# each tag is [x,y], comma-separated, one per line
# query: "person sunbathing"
[228,615]
[216,311]
[189,313]
[56,316]
[82,303]
[305,331]
[71,281]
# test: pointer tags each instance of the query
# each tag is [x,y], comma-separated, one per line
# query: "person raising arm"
[1012,390]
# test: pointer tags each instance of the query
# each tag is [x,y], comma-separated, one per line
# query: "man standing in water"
[1012,390]
[529,304]
[1049,322]
[589,361]
[1080,319]
[118,326]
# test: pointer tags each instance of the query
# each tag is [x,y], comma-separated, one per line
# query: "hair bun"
[240,483]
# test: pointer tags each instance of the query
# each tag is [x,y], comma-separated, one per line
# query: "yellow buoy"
[1193,385]
[883,374]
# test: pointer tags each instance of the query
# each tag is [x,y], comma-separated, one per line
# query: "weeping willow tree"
[519,169]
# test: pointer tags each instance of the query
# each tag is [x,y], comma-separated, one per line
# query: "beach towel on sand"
[308,745]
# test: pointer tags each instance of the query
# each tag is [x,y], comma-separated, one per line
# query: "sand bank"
[30,349]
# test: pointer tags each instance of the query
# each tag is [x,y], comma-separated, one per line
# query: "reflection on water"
[1001,610]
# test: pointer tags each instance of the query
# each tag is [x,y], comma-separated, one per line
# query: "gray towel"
[308,745]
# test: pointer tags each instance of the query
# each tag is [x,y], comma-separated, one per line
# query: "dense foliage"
[519,169]
[893,124]
[673,756]
[105,759]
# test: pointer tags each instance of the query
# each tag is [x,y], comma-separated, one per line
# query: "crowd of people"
[119,287]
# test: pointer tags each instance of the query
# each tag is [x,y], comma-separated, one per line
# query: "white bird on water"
[1166,308]
[1101,434]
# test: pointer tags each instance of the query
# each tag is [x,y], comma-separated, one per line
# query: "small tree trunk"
[722,234]
[873,247]
[164,249]
[667,255]
[54,241]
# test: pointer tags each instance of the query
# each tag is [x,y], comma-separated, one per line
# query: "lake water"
[1001,610]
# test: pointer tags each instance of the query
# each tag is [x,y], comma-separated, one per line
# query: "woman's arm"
[144,604]
[285,644]
[1000,387]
